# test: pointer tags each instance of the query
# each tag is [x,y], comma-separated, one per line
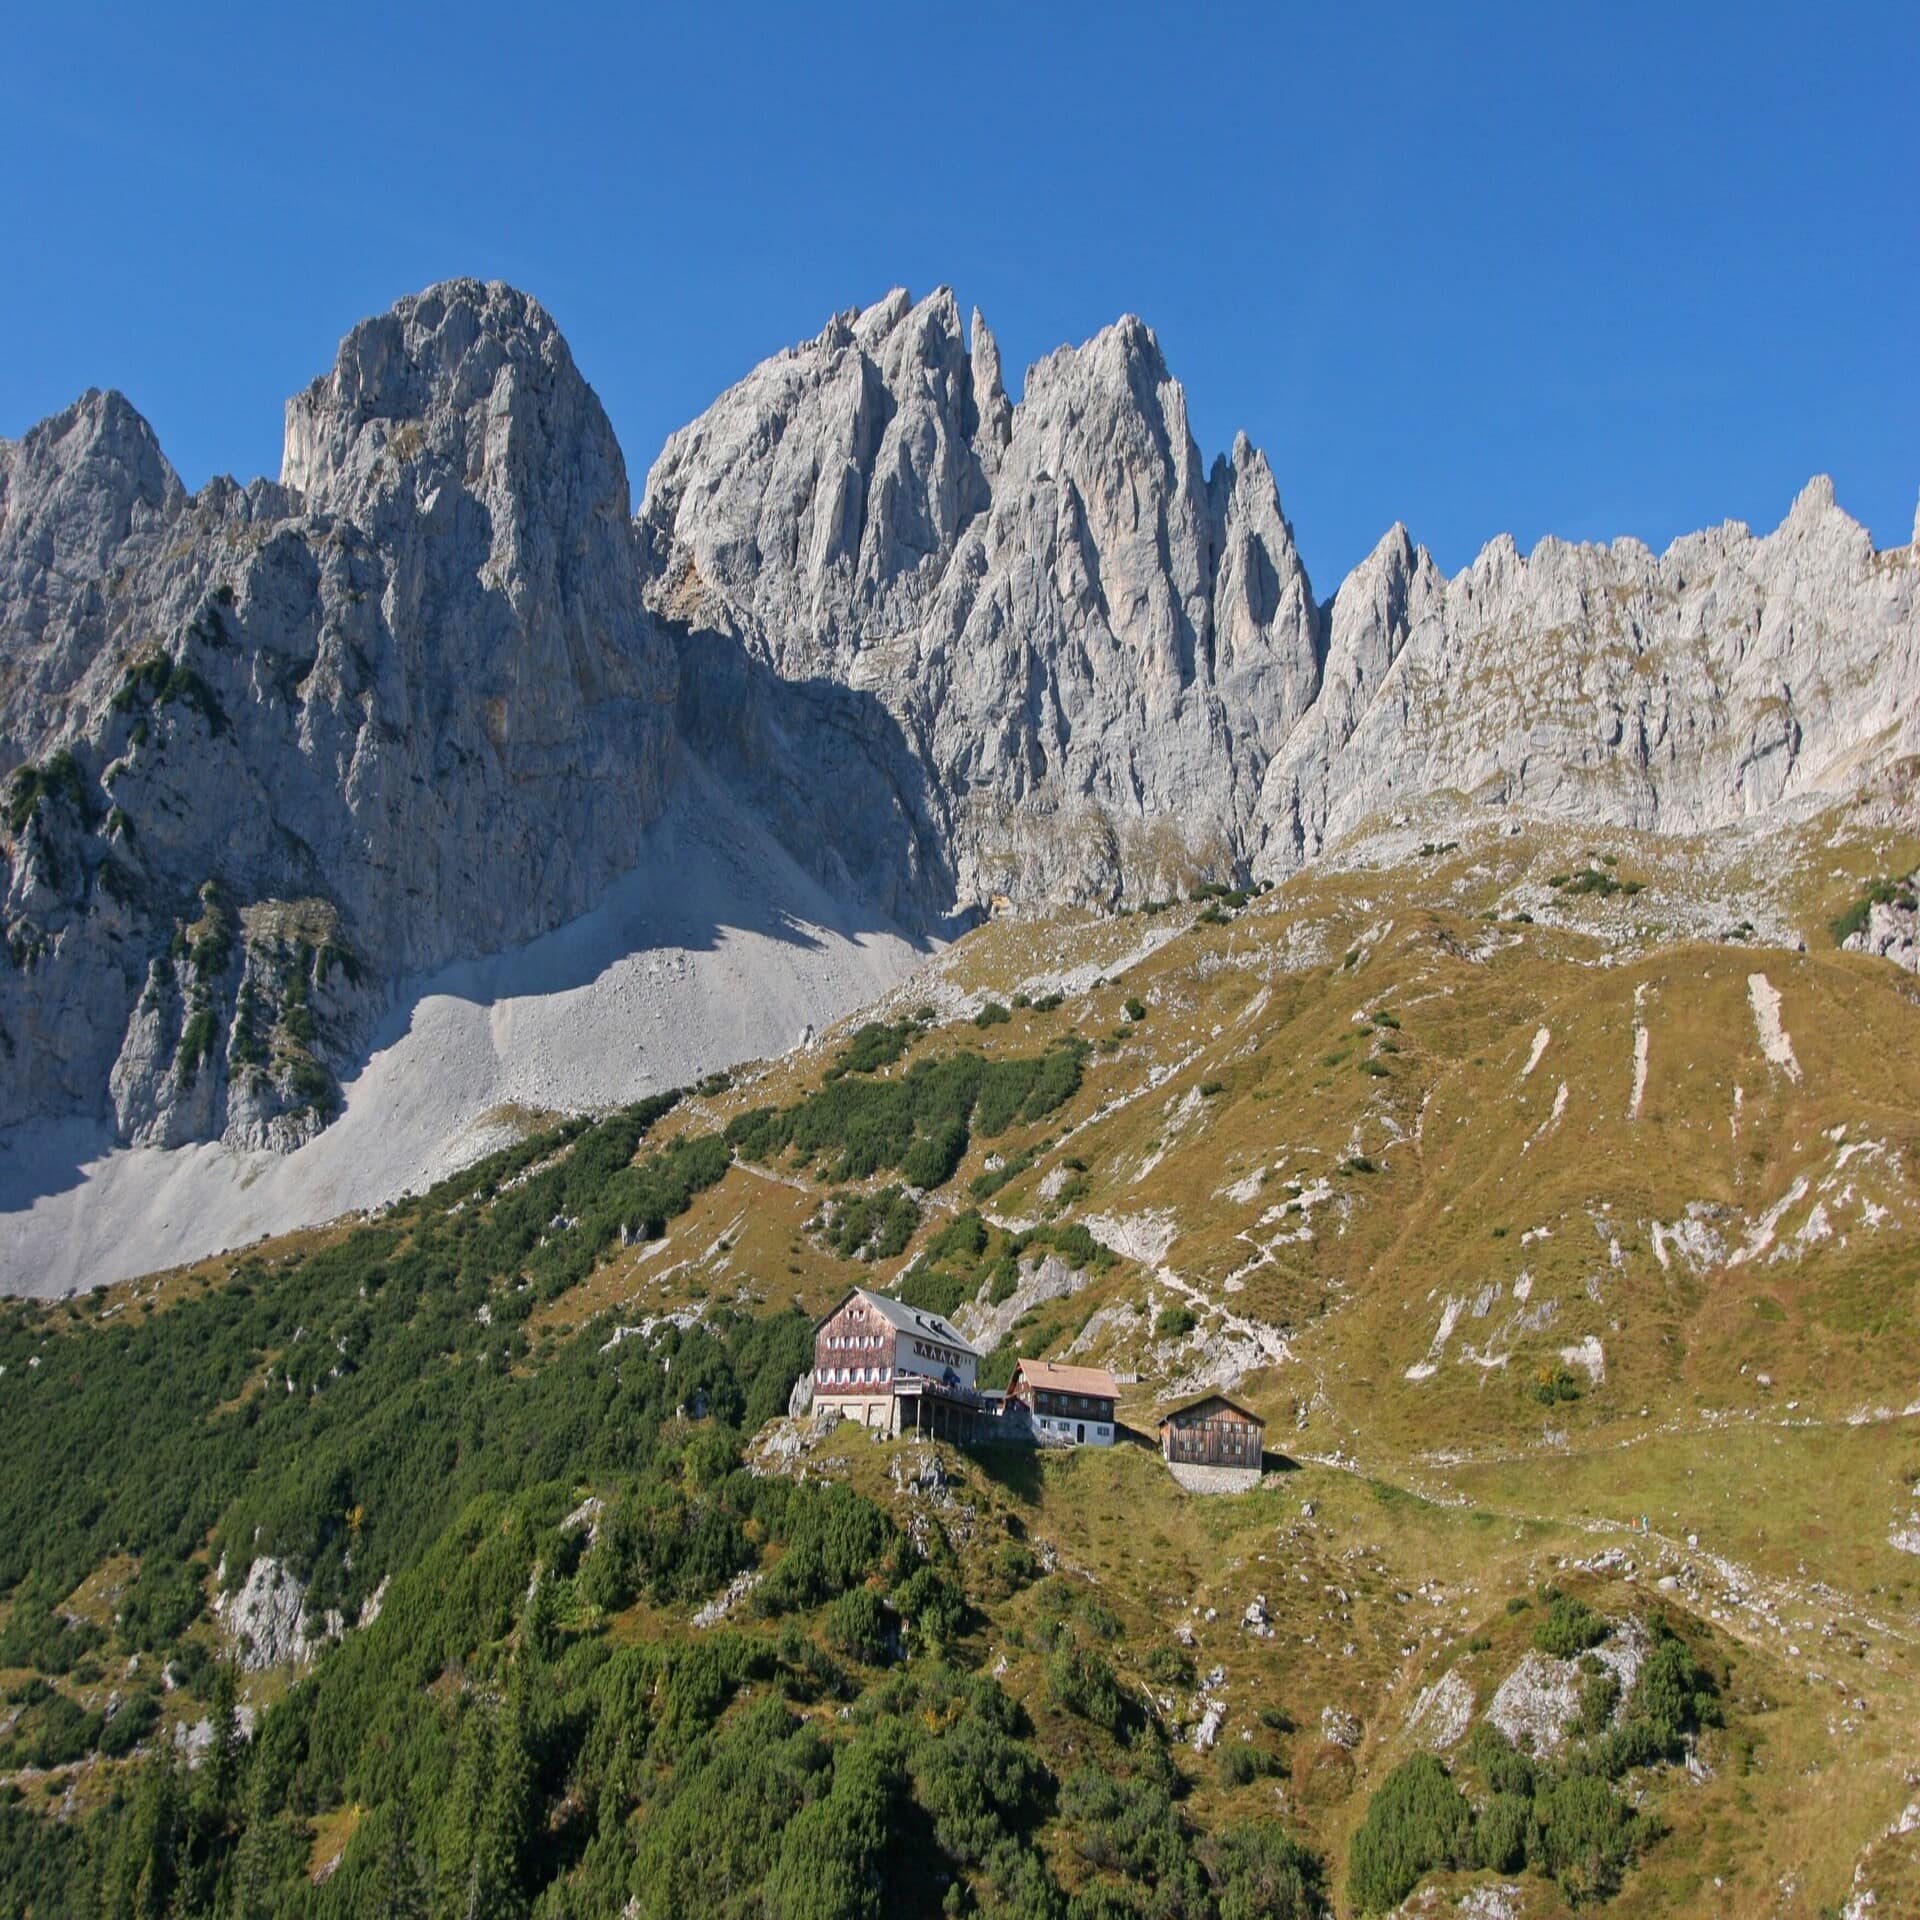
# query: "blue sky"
[1579,270]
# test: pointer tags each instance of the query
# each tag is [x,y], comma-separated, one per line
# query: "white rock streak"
[1775,1042]
[1639,1053]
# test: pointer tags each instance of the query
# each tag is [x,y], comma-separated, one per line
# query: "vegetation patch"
[919,1122]
[1884,892]
[869,1226]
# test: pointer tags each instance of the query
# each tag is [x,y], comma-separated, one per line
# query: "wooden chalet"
[1213,1443]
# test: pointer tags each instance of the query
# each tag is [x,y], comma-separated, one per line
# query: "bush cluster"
[1567,1819]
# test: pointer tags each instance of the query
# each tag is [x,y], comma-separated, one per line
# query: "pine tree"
[506,1834]
[254,1891]
[457,1862]
[143,1861]
[217,1790]
[392,1887]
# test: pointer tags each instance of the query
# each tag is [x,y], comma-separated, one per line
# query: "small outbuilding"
[1213,1445]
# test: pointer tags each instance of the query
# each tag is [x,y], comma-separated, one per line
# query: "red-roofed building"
[1067,1406]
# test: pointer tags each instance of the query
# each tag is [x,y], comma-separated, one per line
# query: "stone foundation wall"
[1215,1479]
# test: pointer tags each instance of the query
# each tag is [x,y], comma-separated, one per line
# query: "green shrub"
[870,1226]
[1084,1683]
[197,1038]
[1880,893]
[1585,1835]
[993,1014]
[933,1604]
[1570,1628]
[859,1627]
[1239,1764]
[1173,1323]
[855,1126]
[1417,1823]
[1171,1664]
[1504,1769]
[1553,1386]
[983,1186]
[1599,1695]
[1134,1008]
[1261,1873]
[1501,1831]
[875,1045]
[1674,1697]
[137,1717]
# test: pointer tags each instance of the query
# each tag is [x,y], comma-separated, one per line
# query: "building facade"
[1066,1406]
[883,1363]
[1213,1445]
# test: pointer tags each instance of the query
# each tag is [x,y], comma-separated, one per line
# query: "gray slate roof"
[929,1326]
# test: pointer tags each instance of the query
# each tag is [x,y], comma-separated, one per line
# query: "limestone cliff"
[1106,669]
[271,746]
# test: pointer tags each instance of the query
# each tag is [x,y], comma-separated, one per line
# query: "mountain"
[271,747]
[1467,1020]
[276,753]
[1107,665]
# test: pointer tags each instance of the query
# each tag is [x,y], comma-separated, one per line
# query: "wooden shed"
[1214,1433]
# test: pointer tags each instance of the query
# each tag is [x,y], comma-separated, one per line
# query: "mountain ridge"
[271,749]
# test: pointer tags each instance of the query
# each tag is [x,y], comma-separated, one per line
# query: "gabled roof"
[1210,1400]
[905,1319]
[1096,1382]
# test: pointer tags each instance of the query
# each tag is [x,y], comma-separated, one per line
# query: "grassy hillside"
[1554,1202]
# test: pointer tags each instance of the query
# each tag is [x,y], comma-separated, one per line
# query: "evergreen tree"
[142,1869]
[506,1833]
[457,1863]
[217,1788]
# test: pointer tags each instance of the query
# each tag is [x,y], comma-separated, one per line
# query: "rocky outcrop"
[1673,693]
[272,747]
[1892,925]
[264,1619]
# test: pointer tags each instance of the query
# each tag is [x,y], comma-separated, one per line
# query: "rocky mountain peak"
[406,707]
[460,375]
[992,408]
[78,484]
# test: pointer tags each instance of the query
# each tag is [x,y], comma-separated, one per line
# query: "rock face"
[272,746]
[269,749]
[1081,646]
[1893,927]
[1673,693]
[1106,671]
